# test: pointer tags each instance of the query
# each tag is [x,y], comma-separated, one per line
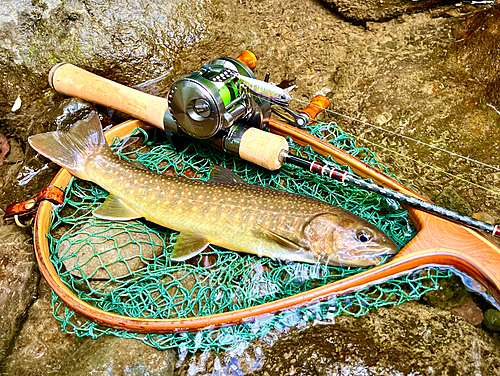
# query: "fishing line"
[406,137]
[438,169]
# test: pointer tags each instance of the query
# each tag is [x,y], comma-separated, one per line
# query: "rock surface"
[18,282]
[41,347]
[449,198]
[376,10]
[410,339]
[128,41]
[112,356]
[492,320]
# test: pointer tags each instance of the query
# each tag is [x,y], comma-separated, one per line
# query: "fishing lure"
[266,89]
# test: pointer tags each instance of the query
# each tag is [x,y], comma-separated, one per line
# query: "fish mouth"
[368,256]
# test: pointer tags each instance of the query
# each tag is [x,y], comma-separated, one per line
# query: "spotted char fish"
[224,211]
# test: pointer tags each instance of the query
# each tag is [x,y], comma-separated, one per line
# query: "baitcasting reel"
[212,99]
[222,103]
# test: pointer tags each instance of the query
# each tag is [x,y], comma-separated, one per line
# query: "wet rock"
[18,281]
[102,252]
[492,320]
[408,339]
[376,10]
[41,347]
[450,199]
[451,293]
[478,53]
[126,41]
[110,356]
[25,178]
[469,311]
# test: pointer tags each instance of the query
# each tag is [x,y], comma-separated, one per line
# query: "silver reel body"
[211,100]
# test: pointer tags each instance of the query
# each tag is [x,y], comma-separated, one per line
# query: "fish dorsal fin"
[115,209]
[138,165]
[282,240]
[188,245]
[220,174]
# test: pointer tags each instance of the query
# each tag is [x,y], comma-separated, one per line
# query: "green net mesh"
[124,267]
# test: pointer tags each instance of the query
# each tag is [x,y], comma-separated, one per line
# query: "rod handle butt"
[71,80]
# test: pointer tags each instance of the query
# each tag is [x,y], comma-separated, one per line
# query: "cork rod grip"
[76,82]
[263,148]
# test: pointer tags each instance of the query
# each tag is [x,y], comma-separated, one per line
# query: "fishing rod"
[225,105]
[427,206]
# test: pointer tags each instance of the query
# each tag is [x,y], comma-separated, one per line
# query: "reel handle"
[318,104]
[70,80]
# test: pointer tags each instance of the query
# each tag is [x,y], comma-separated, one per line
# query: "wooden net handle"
[76,82]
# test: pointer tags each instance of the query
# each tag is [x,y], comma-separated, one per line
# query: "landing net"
[125,268]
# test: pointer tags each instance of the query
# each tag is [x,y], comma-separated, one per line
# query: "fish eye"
[364,235]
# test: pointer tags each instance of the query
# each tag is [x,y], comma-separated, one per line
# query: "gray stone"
[450,199]
[398,340]
[102,252]
[113,356]
[41,347]
[18,281]
[492,320]
[129,42]
[376,10]
[410,339]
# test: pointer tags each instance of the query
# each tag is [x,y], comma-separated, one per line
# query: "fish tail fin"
[72,149]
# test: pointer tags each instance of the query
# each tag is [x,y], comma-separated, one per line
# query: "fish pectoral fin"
[220,174]
[188,245]
[115,209]
[287,243]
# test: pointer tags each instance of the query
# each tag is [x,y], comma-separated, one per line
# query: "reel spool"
[211,100]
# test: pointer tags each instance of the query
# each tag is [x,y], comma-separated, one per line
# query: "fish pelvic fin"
[72,149]
[282,240]
[114,209]
[188,245]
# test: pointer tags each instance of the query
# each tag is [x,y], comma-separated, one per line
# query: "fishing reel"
[212,100]
[222,103]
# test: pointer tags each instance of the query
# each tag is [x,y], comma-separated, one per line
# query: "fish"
[224,211]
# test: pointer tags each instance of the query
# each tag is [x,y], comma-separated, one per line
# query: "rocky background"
[428,70]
